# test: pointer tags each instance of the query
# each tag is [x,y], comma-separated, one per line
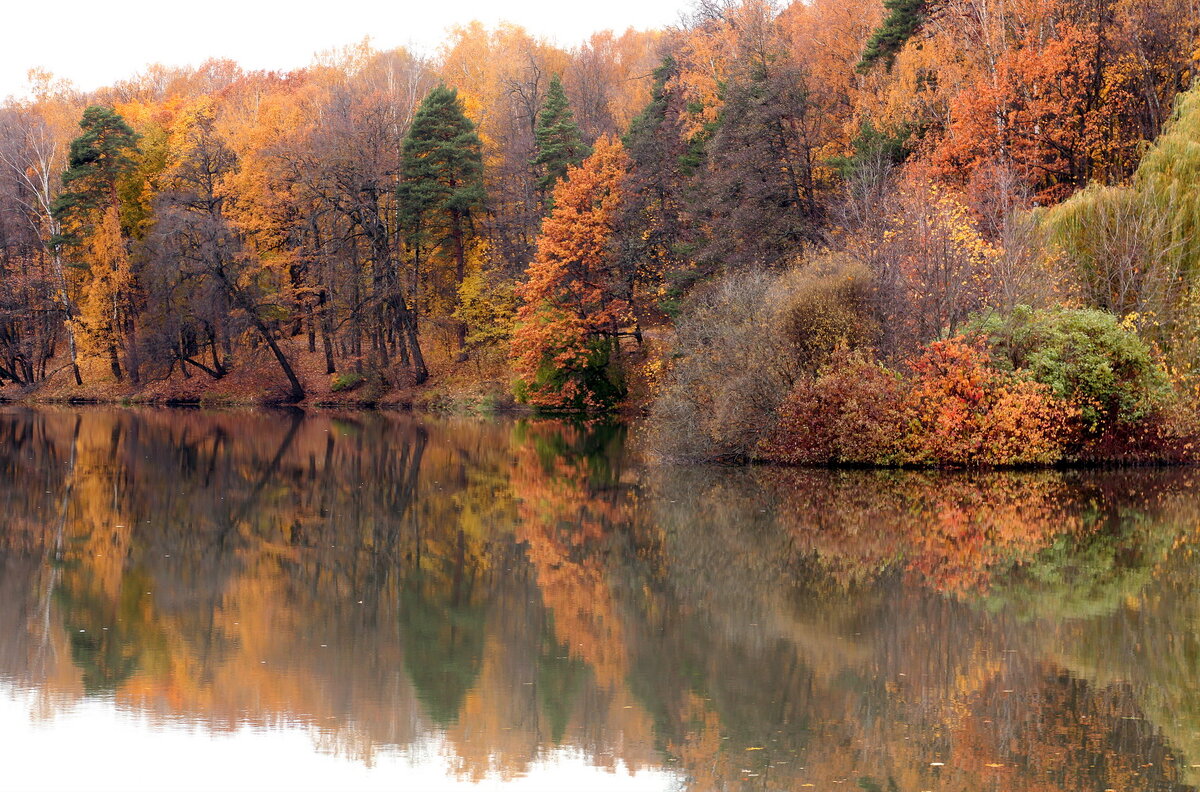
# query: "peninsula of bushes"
[1027,388]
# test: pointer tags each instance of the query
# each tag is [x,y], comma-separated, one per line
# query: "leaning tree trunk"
[296,394]
[297,390]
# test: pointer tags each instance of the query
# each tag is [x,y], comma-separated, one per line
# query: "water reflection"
[489,600]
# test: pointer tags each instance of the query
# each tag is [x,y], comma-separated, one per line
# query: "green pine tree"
[99,159]
[559,144]
[101,164]
[904,19]
[441,183]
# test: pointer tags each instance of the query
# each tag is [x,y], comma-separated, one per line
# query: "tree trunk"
[420,372]
[217,365]
[64,299]
[330,363]
[388,284]
[114,361]
[297,390]
[74,357]
[460,272]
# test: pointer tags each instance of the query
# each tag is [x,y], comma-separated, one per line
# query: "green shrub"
[1086,357]
[596,384]
[347,381]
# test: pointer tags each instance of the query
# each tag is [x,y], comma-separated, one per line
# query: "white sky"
[96,43]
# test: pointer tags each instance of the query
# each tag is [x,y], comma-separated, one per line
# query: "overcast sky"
[94,43]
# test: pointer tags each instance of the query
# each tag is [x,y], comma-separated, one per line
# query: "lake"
[267,600]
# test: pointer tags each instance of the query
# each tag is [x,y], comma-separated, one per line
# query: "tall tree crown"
[566,329]
[98,159]
[559,145]
[442,160]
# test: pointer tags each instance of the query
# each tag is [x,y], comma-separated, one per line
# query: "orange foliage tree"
[1071,94]
[565,343]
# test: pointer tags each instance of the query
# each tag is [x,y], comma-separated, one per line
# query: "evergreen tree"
[904,19]
[655,239]
[442,183]
[98,160]
[88,211]
[559,145]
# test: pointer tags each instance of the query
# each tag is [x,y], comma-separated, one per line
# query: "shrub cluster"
[781,367]
[744,342]
[1128,410]
[954,409]
[1086,356]
[851,414]
[1030,388]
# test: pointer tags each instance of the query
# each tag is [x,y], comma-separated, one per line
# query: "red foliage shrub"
[851,414]
[956,410]
[1170,434]
[964,412]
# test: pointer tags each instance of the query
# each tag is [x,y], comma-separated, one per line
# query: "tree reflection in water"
[512,589]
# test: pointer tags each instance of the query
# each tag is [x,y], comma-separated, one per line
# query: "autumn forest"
[830,232]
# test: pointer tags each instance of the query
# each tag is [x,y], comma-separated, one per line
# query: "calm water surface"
[265,601]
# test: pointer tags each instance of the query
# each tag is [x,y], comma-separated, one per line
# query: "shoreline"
[449,406]
[465,409]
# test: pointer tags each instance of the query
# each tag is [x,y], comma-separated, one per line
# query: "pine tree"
[564,345]
[442,183]
[559,144]
[904,19]
[100,161]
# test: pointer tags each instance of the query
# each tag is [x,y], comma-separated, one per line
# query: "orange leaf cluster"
[571,293]
[956,410]
[962,411]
